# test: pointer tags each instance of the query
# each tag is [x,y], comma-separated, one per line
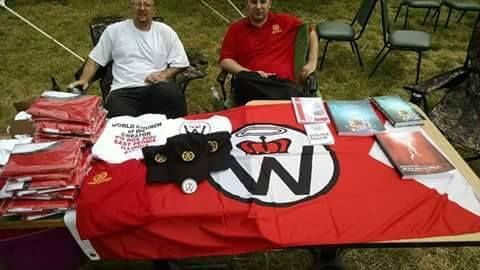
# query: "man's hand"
[159,76]
[308,69]
[88,71]
[264,74]
[82,84]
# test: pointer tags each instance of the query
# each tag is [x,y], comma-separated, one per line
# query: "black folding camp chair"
[457,114]
[196,70]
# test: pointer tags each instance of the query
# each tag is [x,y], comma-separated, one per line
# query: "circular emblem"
[276,165]
[159,158]
[100,177]
[188,156]
[189,186]
[213,146]
[275,27]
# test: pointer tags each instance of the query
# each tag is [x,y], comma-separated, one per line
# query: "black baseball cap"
[156,160]
[187,156]
[219,148]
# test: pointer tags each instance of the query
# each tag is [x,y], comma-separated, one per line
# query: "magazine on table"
[310,110]
[412,155]
[354,117]
[398,111]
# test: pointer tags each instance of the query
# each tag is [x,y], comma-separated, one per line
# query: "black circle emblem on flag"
[276,165]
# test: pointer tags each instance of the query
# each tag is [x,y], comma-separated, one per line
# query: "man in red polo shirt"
[259,50]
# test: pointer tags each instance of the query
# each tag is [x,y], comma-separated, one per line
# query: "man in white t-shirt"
[146,56]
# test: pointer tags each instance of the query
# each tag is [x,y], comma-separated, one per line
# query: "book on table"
[310,110]
[398,111]
[412,155]
[354,117]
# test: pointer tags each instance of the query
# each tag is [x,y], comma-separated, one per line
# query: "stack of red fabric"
[42,179]
[60,115]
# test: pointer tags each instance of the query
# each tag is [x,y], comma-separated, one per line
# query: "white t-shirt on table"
[124,136]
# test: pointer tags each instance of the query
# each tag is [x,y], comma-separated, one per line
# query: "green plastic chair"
[402,40]
[460,5]
[338,31]
[432,5]
[310,88]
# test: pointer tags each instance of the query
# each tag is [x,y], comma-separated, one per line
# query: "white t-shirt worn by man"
[137,53]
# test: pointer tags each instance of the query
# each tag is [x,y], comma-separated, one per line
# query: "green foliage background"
[28,60]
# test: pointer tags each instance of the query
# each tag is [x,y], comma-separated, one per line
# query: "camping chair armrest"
[311,86]
[438,82]
[419,92]
[221,79]
[99,74]
[189,74]
[196,70]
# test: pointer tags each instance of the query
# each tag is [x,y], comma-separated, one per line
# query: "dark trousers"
[248,86]
[162,98]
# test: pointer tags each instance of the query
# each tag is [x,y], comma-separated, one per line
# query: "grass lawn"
[28,60]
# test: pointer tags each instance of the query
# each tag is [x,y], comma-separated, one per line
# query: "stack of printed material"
[311,112]
[41,179]
[397,111]
[61,115]
[413,156]
[354,117]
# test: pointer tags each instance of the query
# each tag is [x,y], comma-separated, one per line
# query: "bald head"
[257,11]
[142,13]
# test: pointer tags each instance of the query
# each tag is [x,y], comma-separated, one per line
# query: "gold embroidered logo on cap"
[100,178]
[213,146]
[188,156]
[276,29]
[159,158]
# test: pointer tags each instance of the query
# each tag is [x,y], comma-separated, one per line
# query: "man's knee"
[119,105]
[250,86]
[244,79]
[169,99]
[167,91]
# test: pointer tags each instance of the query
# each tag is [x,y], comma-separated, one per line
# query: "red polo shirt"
[269,48]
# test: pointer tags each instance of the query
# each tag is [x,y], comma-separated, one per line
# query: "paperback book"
[310,110]
[354,118]
[413,155]
[398,111]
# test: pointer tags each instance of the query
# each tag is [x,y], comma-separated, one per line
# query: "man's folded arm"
[164,75]
[313,48]
[89,70]
[312,58]
[232,66]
